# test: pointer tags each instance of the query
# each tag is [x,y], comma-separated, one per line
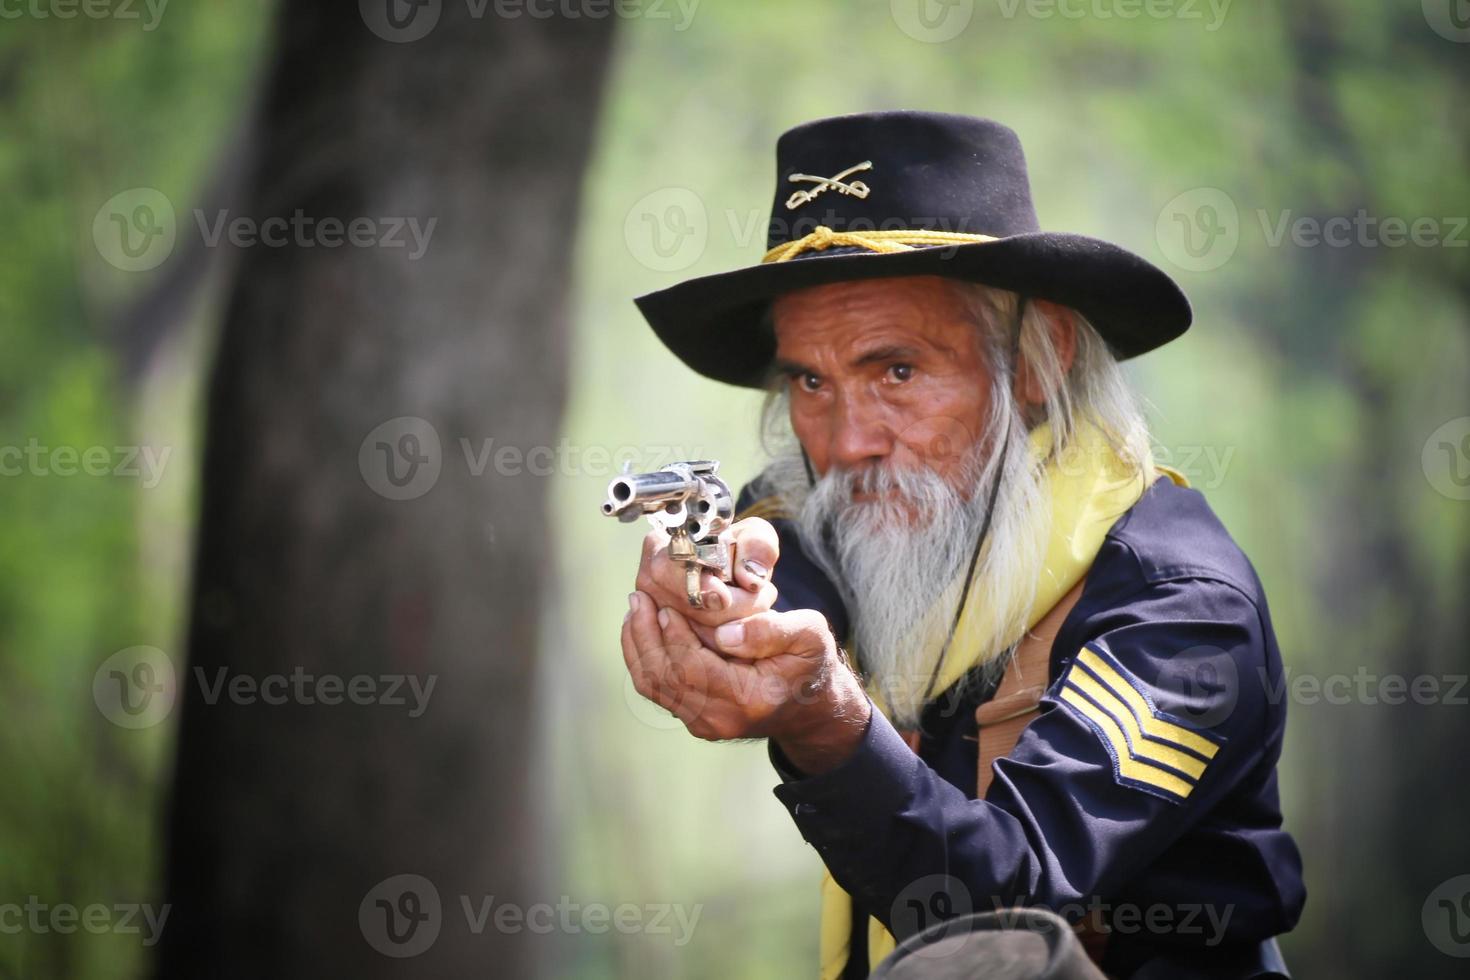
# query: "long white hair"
[899,560]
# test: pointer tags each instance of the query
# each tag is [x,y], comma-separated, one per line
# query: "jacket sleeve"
[1155,712]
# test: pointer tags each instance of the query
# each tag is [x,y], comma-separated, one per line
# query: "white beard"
[900,560]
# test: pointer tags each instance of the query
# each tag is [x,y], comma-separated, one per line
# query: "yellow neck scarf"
[1090,488]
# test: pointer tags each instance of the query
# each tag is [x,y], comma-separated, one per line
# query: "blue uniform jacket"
[1144,791]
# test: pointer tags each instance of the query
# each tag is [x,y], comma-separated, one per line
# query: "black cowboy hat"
[879,194]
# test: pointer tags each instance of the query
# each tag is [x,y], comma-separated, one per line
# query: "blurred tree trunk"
[329,549]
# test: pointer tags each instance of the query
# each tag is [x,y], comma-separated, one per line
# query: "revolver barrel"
[638,493]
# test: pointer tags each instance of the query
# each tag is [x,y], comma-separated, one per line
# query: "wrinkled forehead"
[927,310]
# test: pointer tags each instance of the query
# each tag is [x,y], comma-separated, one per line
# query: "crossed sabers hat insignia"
[856,188]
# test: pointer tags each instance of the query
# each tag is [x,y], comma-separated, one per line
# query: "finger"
[689,639]
[717,598]
[665,580]
[646,667]
[679,674]
[756,546]
[724,694]
[643,621]
[723,601]
[652,575]
[686,641]
[695,679]
[652,541]
[802,632]
[677,631]
[705,634]
[631,657]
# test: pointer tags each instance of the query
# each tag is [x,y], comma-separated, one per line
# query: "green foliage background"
[1317,374]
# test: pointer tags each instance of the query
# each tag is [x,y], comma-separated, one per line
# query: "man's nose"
[860,434]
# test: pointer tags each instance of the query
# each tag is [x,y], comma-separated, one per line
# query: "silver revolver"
[690,503]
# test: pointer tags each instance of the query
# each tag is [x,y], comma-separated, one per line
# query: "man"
[1057,693]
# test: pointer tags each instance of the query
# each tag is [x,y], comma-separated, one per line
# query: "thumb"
[802,632]
[757,546]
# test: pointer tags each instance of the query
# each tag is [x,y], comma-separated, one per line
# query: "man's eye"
[809,381]
[901,372]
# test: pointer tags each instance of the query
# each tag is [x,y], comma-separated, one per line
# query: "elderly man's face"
[883,372]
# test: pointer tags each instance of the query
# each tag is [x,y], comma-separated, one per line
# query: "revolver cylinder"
[689,502]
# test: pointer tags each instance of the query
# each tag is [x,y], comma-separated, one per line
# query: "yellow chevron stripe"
[1151,725]
[1141,747]
[1129,767]
[766,507]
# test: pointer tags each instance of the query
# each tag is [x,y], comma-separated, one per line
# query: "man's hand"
[773,675]
[755,546]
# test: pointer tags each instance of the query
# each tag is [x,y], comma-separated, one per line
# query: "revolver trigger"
[691,585]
